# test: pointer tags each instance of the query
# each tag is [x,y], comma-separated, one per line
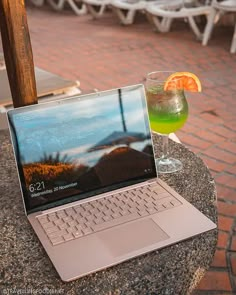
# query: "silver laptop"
[89,183]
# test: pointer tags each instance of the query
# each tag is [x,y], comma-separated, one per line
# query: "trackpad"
[132,236]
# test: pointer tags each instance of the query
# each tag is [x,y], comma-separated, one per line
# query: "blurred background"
[102,54]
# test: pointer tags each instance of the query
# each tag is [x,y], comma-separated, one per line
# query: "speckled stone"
[175,270]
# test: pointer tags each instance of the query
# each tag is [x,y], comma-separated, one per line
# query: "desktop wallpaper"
[80,145]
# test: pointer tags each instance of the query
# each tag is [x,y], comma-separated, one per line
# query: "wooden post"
[18,52]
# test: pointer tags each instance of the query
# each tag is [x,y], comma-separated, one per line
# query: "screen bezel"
[28,208]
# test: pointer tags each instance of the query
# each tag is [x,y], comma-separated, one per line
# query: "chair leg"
[163,26]
[130,17]
[149,18]
[96,13]
[166,24]
[57,5]
[127,19]
[233,44]
[156,22]
[101,10]
[194,27]
[209,26]
[78,11]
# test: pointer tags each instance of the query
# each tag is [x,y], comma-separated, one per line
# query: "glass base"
[169,165]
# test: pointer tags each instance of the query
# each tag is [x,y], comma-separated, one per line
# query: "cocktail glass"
[168,111]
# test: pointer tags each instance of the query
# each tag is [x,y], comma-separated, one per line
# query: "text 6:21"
[38,186]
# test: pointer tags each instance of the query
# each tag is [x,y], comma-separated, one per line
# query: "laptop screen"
[78,147]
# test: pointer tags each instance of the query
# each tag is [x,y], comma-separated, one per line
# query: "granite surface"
[26,269]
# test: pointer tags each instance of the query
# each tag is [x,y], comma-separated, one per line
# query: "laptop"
[89,182]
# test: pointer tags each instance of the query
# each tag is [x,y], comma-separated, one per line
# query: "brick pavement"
[102,54]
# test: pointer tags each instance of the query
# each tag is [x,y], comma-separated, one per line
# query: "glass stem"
[165,147]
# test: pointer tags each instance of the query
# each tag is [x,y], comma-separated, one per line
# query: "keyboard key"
[115,209]
[87,231]
[69,211]
[94,211]
[84,225]
[78,227]
[175,202]
[160,208]
[56,241]
[167,205]
[58,222]
[99,215]
[152,210]
[98,221]
[68,237]
[162,195]
[156,188]
[71,229]
[48,224]
[133,210]
[52,217]
[89,217]
[61,214]
[67,219]
[78,234]
[63,226]
[79,209]
[143,213]
[87,207]
[58,233]
[116,215]
[108,212]
[107,218]
[43,219]
[124,212]
[53,235]
[51,229]
[72,222]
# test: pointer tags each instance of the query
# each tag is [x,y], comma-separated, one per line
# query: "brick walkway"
[102,54]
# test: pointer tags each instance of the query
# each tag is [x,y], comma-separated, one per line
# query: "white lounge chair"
[126,9]
[77,6]
[96,7]
[163,15]
[219,8]
[162,24]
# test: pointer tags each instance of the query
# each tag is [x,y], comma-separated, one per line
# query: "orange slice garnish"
[183,80]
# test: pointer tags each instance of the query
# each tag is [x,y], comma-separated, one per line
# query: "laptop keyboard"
[84,219]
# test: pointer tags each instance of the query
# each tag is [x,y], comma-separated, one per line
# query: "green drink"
[168,110]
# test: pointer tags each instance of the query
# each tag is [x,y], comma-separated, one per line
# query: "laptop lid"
[78,147]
